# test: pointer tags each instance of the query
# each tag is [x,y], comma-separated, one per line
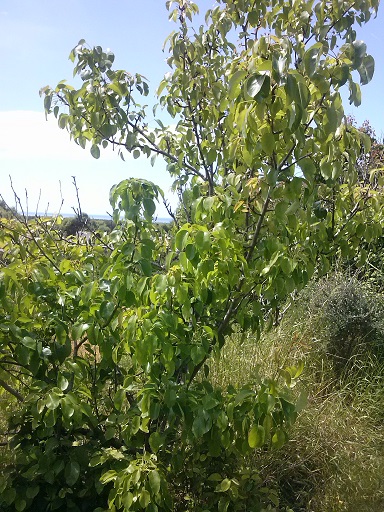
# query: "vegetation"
[84,224]
[7,212]
[108,345]
[334,458]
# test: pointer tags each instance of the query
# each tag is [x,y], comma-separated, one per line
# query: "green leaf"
[215,477]
[223,504]
[268,142]
[108,476]
[224,485]
[50,418]
[119,398]
[32,491]
[144,499]
[366,70]
[311,58]
[149,206]
[156,441]
[154,481]
[354,94]
[297,91]
[47,102]
[340,74]
[126,500]
[62,382]
[9,495]
[302,401]
[72,472]
[77,331]
[279,439]
[106,310]
[53,400]
[201,424]
[308,168]
[279,65]
[209,402]
[29,342]
[304,94]
[146,267]
[234,83]
[272,176]
[197,353]
[325,168]
[243,395]
[180,239]
[67,408]
[360,50]
[161,283]
[20,504]
[286,266]
[257,86]
[190,251]
[291,88]
[256,436]
[95,151]
[254,18]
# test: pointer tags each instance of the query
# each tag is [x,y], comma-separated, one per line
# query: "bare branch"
[11,390]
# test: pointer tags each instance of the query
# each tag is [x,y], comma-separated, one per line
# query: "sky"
[36,38]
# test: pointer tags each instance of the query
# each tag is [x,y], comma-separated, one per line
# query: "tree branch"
[11,390]
[154,147]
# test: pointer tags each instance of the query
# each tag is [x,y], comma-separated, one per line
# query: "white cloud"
[40,157]
[27,134]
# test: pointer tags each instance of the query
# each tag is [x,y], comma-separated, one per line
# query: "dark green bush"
[347,317]
[74,225]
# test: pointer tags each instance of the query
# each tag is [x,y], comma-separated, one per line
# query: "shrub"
[346,316]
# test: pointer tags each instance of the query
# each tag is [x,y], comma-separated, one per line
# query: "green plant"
[335,455]
[113,340]
[80,223]
[346,316]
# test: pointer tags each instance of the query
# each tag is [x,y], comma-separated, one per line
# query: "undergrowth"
[334,461]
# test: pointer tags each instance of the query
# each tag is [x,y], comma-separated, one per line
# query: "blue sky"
[36,38]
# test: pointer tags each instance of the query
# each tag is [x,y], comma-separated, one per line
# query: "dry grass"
[334,461]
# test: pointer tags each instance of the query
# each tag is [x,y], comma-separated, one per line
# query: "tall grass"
[334,461]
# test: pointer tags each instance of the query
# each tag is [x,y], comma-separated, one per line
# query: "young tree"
[262,145]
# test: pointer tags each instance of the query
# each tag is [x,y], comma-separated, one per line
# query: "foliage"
[6,212]
[104,395]
[111,340]
[80,223]
[84,225]
[334,460]
[335,455]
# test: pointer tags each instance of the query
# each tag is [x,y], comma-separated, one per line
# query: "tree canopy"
[112,339]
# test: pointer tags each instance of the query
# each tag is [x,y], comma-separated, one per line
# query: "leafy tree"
[111,341]
[79,223]
[6,211]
